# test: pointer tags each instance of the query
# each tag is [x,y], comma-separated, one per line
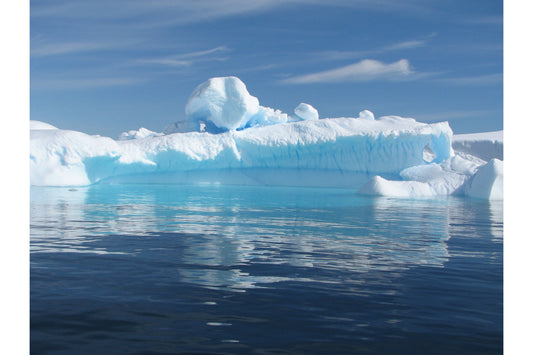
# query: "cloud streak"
[70,48]
[188,59]
[182,12]
[344,55]
[365,70]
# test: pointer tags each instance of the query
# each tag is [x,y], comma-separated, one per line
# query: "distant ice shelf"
[228,137]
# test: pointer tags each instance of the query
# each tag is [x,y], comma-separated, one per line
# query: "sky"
[105,67]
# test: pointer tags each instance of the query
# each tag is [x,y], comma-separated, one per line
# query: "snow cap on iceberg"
[221,103]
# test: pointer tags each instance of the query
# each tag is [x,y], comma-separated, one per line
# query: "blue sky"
[104,67]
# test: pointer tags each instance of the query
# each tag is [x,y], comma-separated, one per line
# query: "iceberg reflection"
[235,238]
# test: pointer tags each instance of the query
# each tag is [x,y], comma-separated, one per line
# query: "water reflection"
[215,234]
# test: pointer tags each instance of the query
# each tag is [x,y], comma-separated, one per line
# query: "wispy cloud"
[188,59]
[181,12]
[344,55]
[67,48]
[405,45]
[365,70]
[474,80]
[166,61]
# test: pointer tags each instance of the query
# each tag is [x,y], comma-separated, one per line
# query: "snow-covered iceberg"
[228,132]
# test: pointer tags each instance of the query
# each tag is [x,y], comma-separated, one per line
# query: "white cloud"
[219,49]
[343,55]
[166,61]
[365,70]
[167,12]
[188,59]
[405,45]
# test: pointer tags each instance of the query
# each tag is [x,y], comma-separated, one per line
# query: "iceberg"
[227,136]
[486,146]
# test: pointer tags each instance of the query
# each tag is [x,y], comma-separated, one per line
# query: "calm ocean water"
[162,269]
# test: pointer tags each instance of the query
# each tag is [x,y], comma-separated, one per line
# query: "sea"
[221,269]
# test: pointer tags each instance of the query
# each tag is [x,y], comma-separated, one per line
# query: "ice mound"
[224,104]
[366,115]
[306,112]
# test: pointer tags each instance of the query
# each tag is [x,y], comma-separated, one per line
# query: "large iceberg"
[228,136]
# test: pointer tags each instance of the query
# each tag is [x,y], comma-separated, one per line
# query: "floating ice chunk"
[379,186]
[138,134]
[366,115]
[306,112]
[454,176]
[222,102]
[487,183]
[421,181]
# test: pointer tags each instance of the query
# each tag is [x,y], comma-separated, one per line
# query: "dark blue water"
[140,269]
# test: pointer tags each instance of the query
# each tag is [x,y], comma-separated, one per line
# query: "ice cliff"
[228,132]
